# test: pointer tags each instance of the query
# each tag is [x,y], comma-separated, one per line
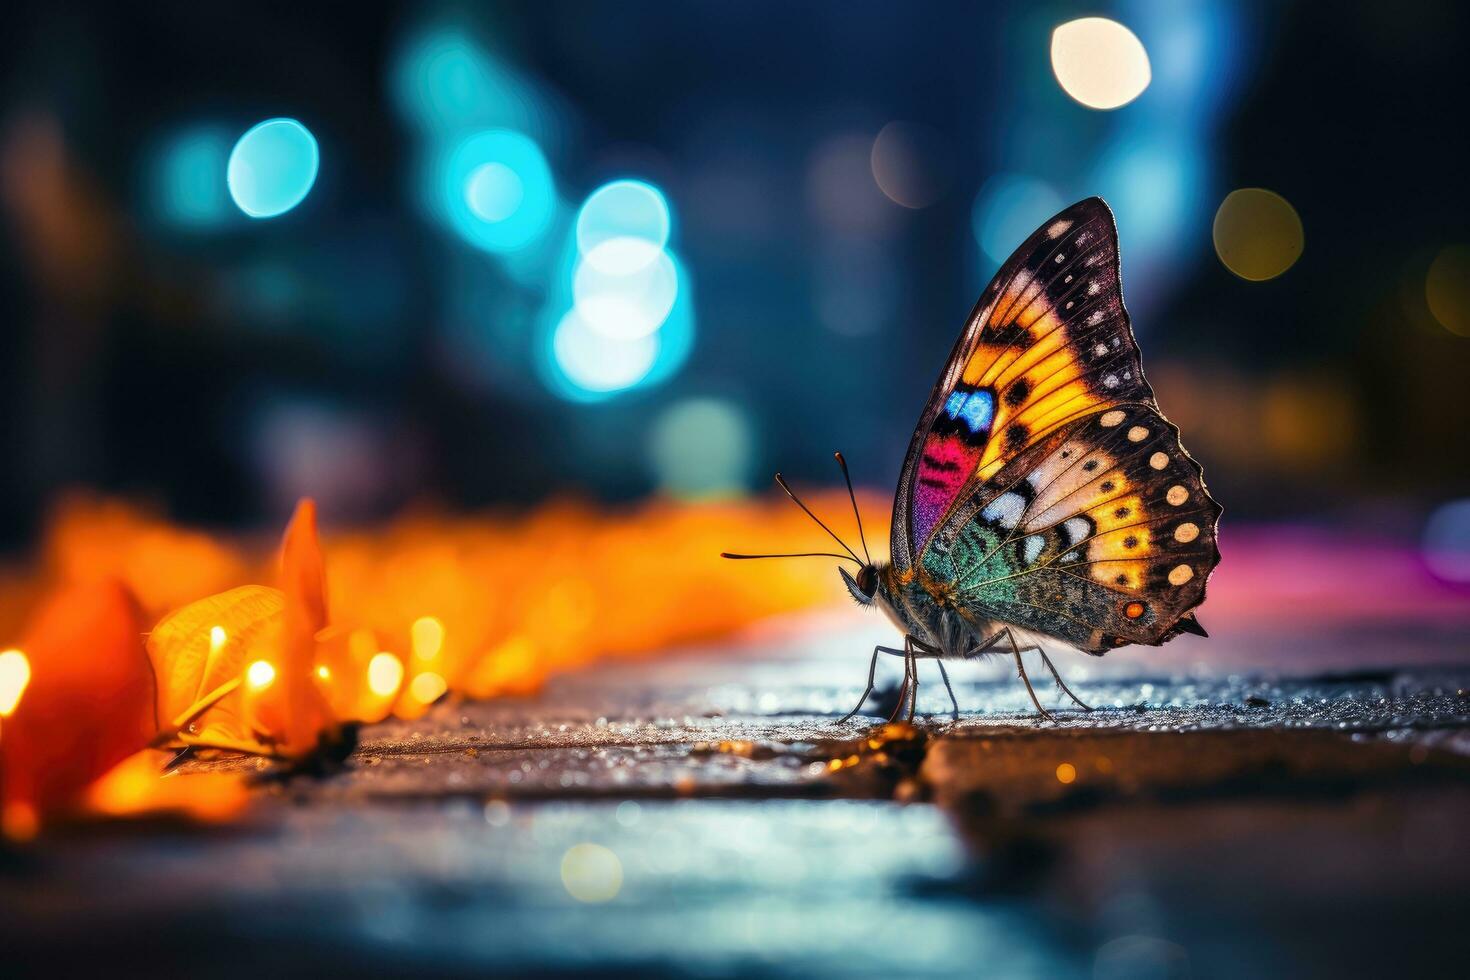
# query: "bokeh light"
[260,675]
[1447,289]
[15,674]
[1099,62]
[427,687]
[273,167]
[385,673]
[1257,233]
[591,873]
[911,164]
[426,637]
[630,302]
[496,190]
[702,447]
[630,322]
[187,178]
[840,189]
[1446,542]
[633,212]
[596,363]
[445,81]
[1008,208]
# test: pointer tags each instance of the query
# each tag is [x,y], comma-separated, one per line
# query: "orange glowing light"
[88,701]
[1066,773]
[15,674]
[427,687]
[385,673]
[486,606]
[138,785]
[260,675]
[427,637]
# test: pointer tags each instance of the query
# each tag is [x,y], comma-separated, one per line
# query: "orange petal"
[303,581]
[89,702]
[208,643]
[138,785]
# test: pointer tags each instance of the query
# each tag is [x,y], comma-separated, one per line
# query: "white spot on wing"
[1058,229]
[1004,510]
[1076,529]
[1031,548]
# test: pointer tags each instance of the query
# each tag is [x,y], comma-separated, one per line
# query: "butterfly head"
[864,587]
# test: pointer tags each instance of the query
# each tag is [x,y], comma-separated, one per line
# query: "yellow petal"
[206,644]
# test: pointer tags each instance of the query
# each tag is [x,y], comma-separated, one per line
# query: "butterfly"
[1045,499]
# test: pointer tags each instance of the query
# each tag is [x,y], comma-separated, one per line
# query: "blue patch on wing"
[975,408]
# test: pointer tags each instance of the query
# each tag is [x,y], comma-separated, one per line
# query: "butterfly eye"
[855,587]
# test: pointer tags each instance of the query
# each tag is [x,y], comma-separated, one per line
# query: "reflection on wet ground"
[705,816]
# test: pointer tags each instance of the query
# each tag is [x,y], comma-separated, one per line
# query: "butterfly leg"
[903,691]
[1021,669]
[1061,683]
[945,674]
[868,691]
[914,670]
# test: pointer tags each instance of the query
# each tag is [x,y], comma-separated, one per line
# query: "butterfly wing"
[1046,357]
[1048,342]
[1100,534]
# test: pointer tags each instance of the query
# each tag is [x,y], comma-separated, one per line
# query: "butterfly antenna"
[804,554]
[853,497]
[781,481]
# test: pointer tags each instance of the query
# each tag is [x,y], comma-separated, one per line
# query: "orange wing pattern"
[1048,343]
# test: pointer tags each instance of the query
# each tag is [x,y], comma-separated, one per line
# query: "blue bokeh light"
[630,301]
[446,82]
[273,167]
[187,178]
[624,209]
[495,190]
[580,363]
[1010,207]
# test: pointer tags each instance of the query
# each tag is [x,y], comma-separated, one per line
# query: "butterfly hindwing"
[1100,534]
[1048,342]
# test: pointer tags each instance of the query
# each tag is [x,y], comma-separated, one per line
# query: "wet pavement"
[1227,810]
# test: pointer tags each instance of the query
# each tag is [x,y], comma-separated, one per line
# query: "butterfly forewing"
[1048,342]
[1043,488]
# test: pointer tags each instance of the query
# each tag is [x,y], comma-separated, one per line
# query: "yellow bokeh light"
[217,638]
[427,637]
[15,674]
[1066,773]
[1258,234]
[385,673]
[260,675]
[324,672]
[1099,62]
[591,873]
[427,687]
[1447,289]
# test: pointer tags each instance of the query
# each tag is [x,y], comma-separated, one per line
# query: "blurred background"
[485,254]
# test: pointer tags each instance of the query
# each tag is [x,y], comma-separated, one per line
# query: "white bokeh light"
[1099,62]
[595,362]
[621,298]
